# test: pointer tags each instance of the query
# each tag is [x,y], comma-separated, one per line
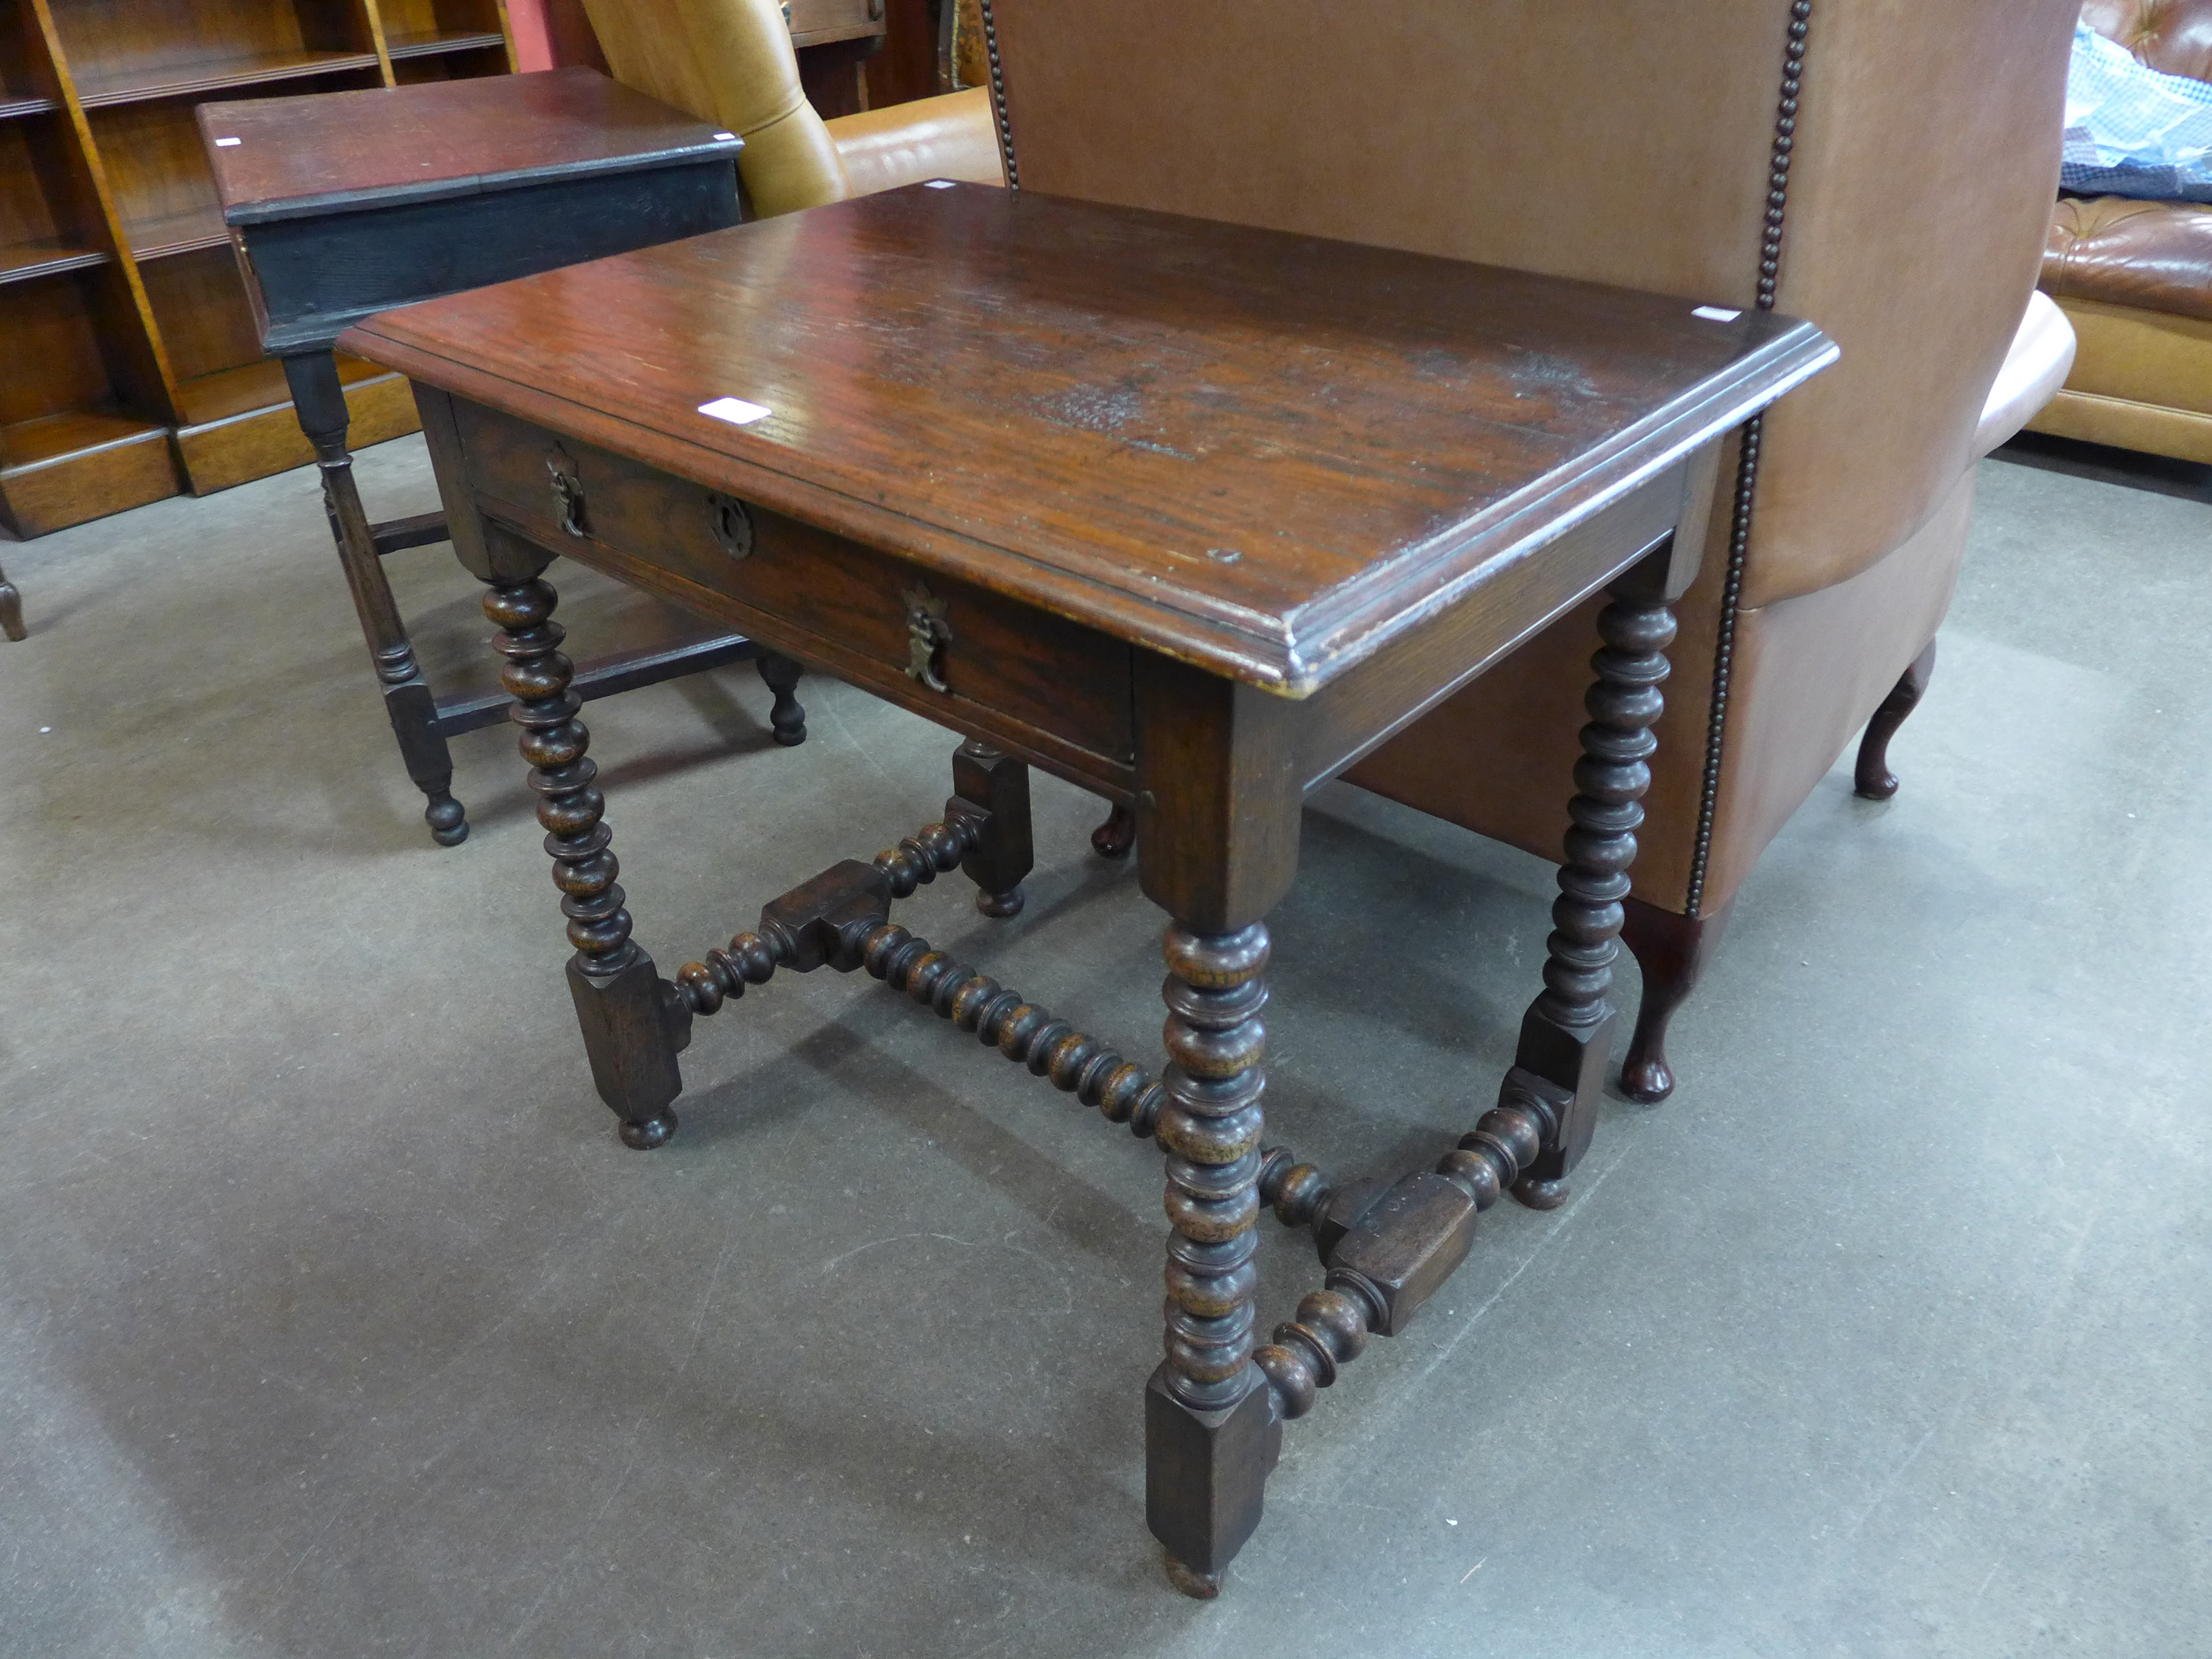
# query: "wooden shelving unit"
[132,368]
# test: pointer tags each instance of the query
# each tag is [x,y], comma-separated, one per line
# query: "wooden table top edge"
[1312,644]
[273,209]
[1633,456]
[932,547]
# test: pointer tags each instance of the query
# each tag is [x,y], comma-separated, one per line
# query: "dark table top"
[1266,454]
[297,156]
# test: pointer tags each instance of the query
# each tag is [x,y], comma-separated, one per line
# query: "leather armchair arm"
[2042,353]
[951,136]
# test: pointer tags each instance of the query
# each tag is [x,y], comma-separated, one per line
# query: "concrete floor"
[334,1320]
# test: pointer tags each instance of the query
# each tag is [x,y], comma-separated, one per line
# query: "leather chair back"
[2173,37]
[1638,144]
[729,62]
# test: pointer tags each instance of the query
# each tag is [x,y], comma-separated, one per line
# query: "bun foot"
[448,820]
[1008,904]
[653,1132]
[1541,1194]
[11,610]
[1646,1079]
[1114,838]
[1198,1586]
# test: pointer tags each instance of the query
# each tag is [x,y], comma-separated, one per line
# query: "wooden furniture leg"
[319,400]
[995,787]
[1872,778]
[634,1023]
[1218,797]
[785,719]
[1672,949]
[11,609]
[1114,838]
[1567,1032]
[1211,1437]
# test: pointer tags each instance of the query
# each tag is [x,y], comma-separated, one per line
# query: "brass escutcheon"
[733,527]
[568,490]
[928,633]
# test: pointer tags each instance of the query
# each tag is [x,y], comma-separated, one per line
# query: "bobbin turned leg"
[785,719]
[995,787]
[318,400]
[633,1022]
[1872,780]
[1558,1067]
[1210,1436]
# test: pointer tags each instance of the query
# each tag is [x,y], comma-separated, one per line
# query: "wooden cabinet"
[131,366]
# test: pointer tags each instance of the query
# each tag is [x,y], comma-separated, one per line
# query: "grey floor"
[334,1320]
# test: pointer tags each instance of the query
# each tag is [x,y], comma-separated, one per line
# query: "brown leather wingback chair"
[731,60]
[1885,171]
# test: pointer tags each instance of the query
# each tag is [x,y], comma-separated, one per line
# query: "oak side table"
[343,204]
[1189,514]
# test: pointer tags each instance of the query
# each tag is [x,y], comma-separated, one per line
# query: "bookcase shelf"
[432,42]
[216,75]
[45,255]
[159,236]
[129,366]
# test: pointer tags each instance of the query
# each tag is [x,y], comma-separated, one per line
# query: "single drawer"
[929,641]
[812,22]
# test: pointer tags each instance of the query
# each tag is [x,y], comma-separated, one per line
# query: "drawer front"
[856,611]
[814,22]
[319,275]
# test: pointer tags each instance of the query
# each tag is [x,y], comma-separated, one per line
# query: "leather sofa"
[1887,171]
[731,61]
[2135,278]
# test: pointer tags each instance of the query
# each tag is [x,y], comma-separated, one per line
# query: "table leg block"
[996,786]
[1206,1472]
[633,1026]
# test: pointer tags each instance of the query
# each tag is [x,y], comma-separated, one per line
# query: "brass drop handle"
[928,633]
[568,491]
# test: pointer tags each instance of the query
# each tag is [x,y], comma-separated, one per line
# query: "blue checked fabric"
[2132,131]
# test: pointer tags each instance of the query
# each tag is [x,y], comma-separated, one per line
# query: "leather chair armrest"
[951,136]
[2042,353]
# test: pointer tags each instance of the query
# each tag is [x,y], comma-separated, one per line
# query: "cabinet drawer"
[813,21]
[1052,676]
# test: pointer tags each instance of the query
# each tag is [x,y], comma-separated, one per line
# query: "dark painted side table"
[343,204]
[1188,514]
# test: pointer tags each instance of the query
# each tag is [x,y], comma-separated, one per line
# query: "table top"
[296,157]
[1268,454]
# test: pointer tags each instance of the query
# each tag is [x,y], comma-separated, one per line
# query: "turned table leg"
[633,1021]
[785,719]
[1567,1032]
[319,401]
[1211,1437]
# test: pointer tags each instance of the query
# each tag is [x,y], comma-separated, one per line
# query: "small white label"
[736,411]
[1715,313]
[724,137]
[227,144]
[940,183]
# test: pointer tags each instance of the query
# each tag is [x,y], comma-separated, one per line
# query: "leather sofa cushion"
[2154,256]
[2173,37]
